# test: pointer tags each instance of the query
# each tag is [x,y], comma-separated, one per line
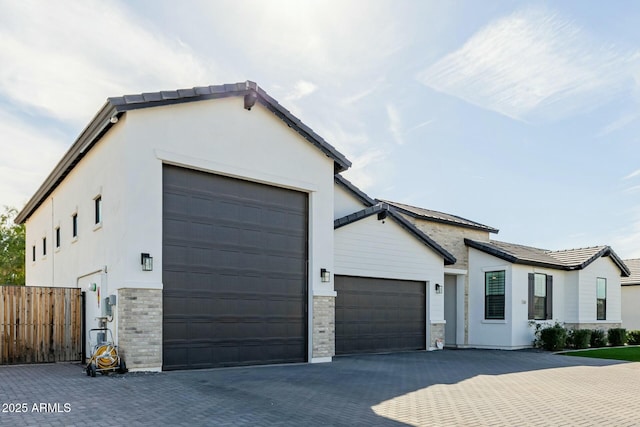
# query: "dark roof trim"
[492,250]
[116,106]
[156,99]
[449,259]
[465,223]
[91,134]
[608,251]
[357,216]
[359,194]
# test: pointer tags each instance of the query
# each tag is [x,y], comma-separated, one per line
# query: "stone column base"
[140,328]
[324,328]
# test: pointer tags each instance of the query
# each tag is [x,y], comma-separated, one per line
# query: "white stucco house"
[496,291]
[631,296]
[210,227]
[228,194]
[512,286]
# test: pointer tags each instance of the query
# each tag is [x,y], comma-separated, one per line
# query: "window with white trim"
[494,285]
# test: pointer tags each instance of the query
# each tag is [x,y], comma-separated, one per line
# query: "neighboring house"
[389,278]
[208,213]
[631,296]
[512,286]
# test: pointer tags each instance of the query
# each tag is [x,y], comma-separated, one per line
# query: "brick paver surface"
[446,388]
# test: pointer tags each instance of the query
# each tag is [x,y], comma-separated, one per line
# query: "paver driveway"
[463,387]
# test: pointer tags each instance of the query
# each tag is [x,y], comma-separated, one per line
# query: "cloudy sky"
[524,116]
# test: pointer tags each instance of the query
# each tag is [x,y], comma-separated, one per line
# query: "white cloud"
[532,65]
[65,58]
[632,174]
[395,124]
[619,124]
[301,89]
[625,243]
[28,155]
[420,125]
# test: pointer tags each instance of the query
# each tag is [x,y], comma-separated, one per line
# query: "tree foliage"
[11,248]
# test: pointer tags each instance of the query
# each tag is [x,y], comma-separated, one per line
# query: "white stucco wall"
[344,203]
[488,333]
[574,299]
[523,333]
[125,167]
[631,307]
[605,268]
[371,248]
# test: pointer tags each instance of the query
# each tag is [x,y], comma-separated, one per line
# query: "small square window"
[74,225]
[98,209]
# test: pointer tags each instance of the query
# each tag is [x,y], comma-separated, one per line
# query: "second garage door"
[379,315]
[234,272]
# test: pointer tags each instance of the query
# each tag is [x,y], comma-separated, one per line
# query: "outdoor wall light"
[438,288]
[250,100]
[325,275]
[147,262]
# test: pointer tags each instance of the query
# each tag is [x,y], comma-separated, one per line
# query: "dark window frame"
[97,210]
[547,300]
[494,302]
[601,303]
[57,237]
[44,246]
[33,253]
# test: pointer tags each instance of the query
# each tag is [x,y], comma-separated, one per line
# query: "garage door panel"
[234,272]
[379,315]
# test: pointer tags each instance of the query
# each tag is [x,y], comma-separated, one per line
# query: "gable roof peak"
[115,107]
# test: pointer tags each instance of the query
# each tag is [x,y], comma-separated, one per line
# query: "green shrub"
[553,338]
[633,337]
[617,336]
[598,338]
[580,338]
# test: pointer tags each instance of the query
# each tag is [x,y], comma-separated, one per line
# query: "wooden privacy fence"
[39,324]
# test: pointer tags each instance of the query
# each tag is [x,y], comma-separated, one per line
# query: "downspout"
[53,243]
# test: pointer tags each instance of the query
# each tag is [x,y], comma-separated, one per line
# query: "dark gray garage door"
[234,272]
[379,315]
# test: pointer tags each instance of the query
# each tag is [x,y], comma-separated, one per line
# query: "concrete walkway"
[446,388]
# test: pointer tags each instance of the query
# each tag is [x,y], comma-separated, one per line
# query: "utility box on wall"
[108,304]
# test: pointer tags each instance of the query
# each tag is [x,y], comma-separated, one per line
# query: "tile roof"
[634,268]
[383,208]
[442,217]
[117,106]
[570,259]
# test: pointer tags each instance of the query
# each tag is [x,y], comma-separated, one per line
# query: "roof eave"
[116,106]
[355,191]
[90,135]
